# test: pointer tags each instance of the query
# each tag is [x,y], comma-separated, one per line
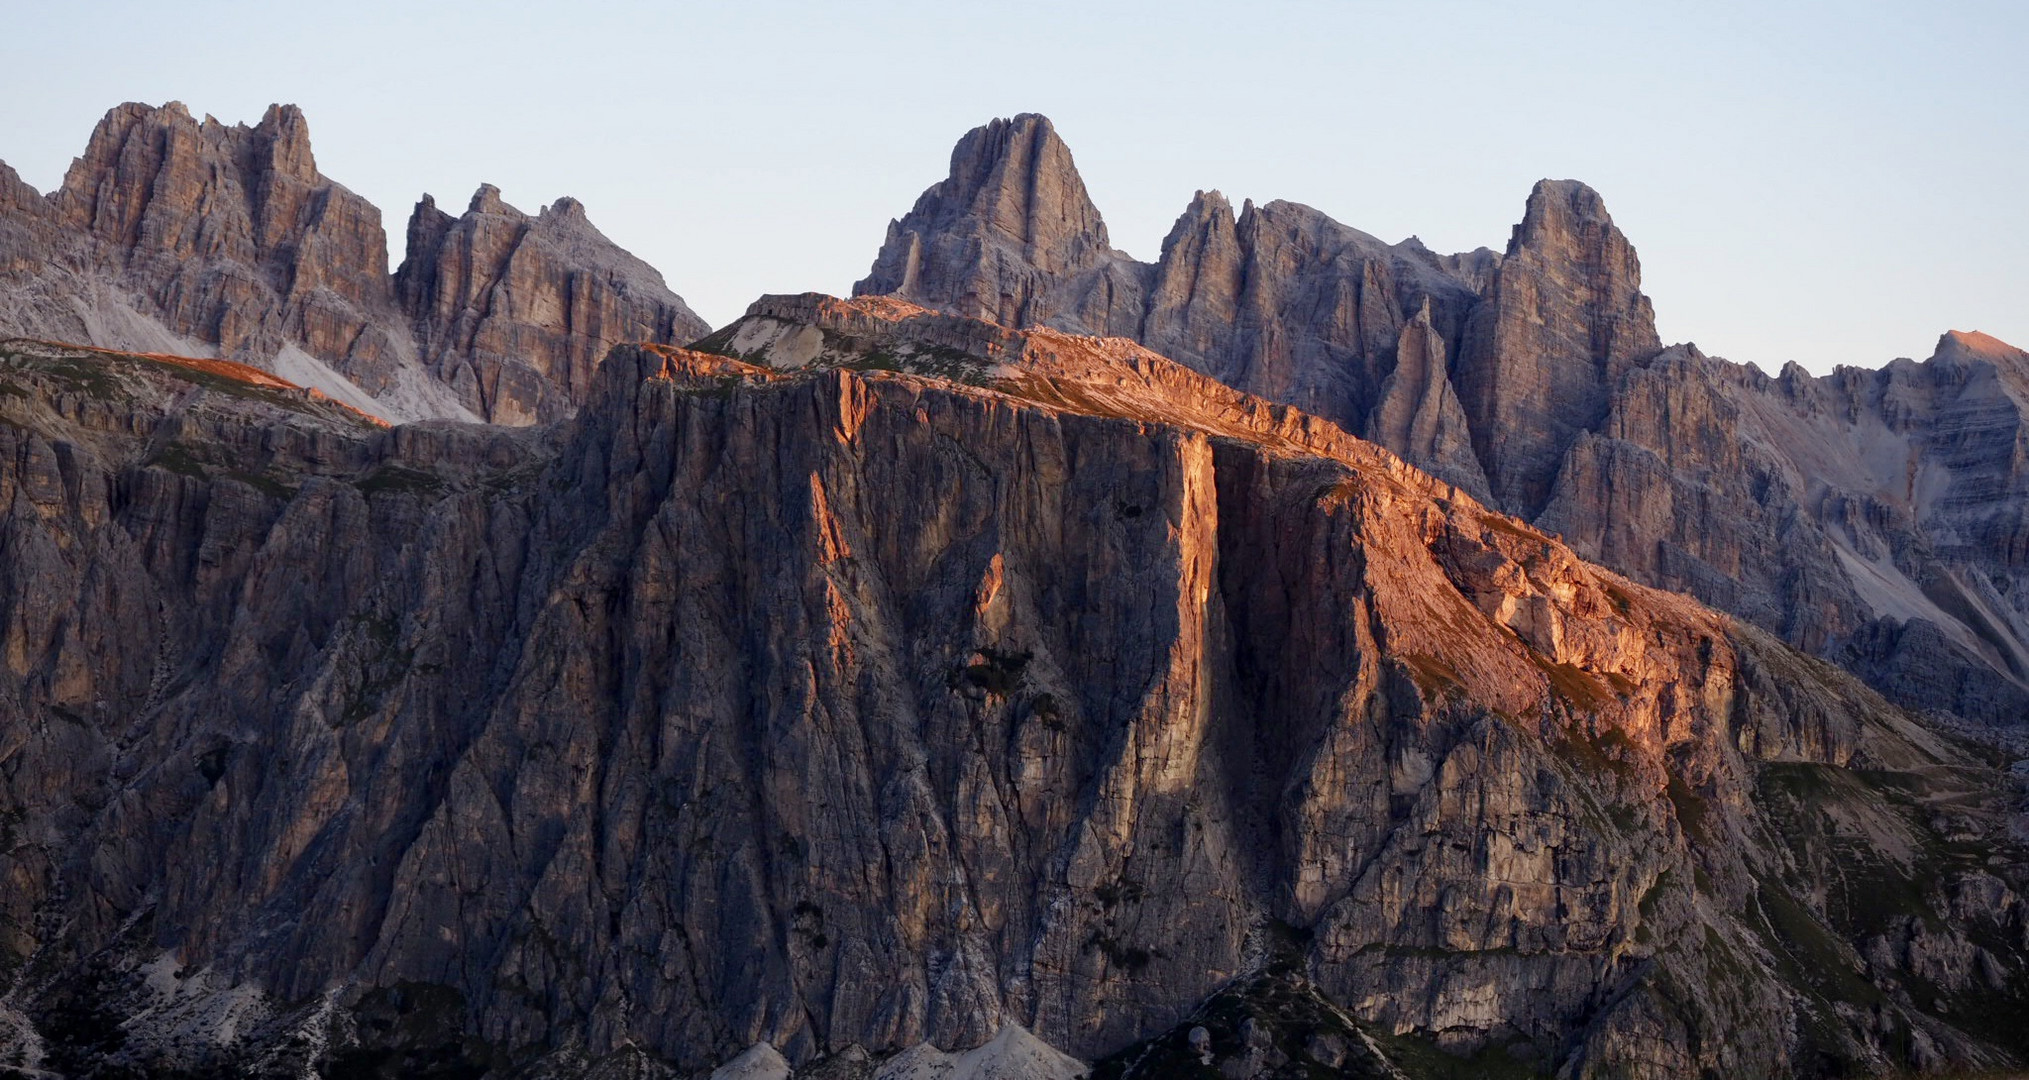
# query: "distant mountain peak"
[1013,198]
[1976,344]
[487,200]
[171,235]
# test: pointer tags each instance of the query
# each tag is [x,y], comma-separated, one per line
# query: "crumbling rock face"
[175,235]
[909,679]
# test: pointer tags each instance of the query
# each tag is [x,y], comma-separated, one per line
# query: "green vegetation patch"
[1866,891]
[1419,1057]
[88,375]
[1280,1022]
[183,459]
[399,479]
[1812,956]
[265,483]
[1432,675]
[1574,684]
[1608,752]
[720,343]
[1297,1034]
[1502,523]
[414,1030]
[107,375]
[385,666]
[935,361]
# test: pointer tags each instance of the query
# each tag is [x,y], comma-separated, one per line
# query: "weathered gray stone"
[1875,518]
[178,236]
[1037,681]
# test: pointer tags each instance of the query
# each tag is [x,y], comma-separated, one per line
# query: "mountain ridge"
[1511,375]
[1142,669]
[174,235]
[880,687]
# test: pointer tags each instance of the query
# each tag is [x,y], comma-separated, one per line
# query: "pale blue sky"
[1824,182]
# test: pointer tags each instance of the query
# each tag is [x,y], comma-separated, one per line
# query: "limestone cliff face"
[1874,518]
[1564,319]
[223,235]
[515,312]
[234,234]
[898,678]
[171,234]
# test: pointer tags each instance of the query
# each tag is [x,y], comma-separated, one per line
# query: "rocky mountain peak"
[1564,319]
[1018,177]
[220,237]
[207,237]
[1971,344]
[487,200]
[285,137]
[1202,238]
[16,193]
[992,238]
[1278,299]
[566,210]
[515,312]
[1557,209]
[1567,231]
[1205,208]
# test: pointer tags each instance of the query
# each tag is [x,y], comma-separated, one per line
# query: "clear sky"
[1821,182]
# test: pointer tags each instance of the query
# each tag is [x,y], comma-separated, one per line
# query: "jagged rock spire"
[1564,318]
[472,286]
[992,239]
[226,236]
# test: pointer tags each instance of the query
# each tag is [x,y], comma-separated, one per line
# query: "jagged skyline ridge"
[1776,222]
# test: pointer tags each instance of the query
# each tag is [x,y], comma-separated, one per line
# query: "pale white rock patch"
[760,1062]
[1012,1054]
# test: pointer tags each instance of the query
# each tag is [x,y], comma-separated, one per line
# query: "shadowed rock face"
[171,234]
[1873,518]
[898,678]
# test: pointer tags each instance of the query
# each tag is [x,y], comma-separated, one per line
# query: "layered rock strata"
[902,679]
[171,234]
[1876,517]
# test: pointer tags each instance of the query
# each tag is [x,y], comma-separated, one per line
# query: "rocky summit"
[1305,656]
[1872,517]
[180,236]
